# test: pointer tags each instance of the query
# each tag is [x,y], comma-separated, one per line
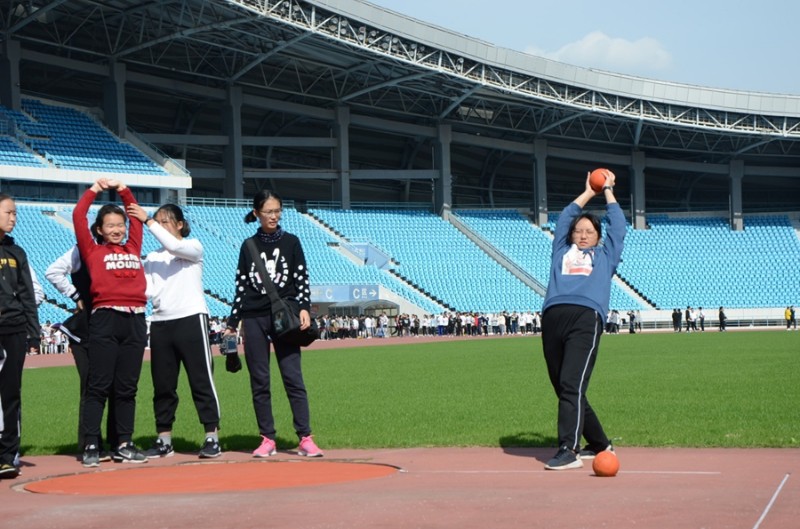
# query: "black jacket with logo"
[18,310]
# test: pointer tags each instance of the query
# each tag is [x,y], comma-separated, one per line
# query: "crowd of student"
[110,283]
[694,320]
[339,327]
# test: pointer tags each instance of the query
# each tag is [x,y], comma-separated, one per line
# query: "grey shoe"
[128,453]
[210,449]
[159,449]
[8,471]
[564,459]
[91,456]
[589,452]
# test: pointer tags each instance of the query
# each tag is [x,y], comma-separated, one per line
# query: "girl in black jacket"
[19,320]
[285,262]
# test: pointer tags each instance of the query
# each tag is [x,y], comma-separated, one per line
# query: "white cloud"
[598,50]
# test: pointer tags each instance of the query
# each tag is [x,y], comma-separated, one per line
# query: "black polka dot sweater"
[285,262]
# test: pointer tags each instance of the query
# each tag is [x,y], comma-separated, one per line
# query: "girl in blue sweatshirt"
[574,313]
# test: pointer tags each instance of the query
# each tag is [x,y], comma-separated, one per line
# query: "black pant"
[116,349]
[173,342]
[80,354]
[12,359]
[256,352]
[570,338]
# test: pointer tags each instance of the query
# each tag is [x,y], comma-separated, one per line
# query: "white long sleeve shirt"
[174,275]
[59,273]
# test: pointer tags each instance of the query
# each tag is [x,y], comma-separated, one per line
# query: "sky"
[751,45]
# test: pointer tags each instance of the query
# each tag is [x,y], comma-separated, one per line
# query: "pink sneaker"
[266,449]
[308,447]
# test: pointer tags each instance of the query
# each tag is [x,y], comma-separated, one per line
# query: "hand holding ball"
[605,464]
[597,179]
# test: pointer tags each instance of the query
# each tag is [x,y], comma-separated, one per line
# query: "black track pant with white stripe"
[570,338]
[172,343]
[12,359]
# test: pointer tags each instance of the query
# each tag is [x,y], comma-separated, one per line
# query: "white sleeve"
[59,272]
[38,292]
[189,249]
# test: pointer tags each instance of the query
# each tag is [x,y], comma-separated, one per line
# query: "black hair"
[175,213]
[594,219]
[258,202]
[107,209]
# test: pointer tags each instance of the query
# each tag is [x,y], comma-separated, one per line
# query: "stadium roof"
[294,65]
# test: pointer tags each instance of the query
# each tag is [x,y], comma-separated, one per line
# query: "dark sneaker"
[105,456]
[210,449]
[159,449]
[589,452]
[91,456]
[128,453]
[8,471]
[564,460]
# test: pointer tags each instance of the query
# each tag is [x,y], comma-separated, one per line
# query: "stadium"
[422,169]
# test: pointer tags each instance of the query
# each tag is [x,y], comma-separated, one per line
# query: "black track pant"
[256,352]
[116,349]
[172,343]
[12,359]
[80,354]
[570,338]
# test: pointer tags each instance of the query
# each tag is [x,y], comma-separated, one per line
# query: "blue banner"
[341,293]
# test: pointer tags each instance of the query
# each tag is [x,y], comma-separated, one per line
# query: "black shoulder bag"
[285,312]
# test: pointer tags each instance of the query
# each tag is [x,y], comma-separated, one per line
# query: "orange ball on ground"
[605,464]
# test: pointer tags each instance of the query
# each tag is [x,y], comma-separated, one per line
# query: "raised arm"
[189,249]
[588,192]
[81,223]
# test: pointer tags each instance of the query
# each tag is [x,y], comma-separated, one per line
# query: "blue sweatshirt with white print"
[583,277]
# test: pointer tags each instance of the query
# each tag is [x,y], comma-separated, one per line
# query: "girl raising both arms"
[117,327]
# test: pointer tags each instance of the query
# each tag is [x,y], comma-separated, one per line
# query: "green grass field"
[737,389]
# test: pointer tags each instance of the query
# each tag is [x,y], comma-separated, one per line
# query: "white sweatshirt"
[174,275]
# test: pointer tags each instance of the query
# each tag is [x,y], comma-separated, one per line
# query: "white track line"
[771,501]
[674,472]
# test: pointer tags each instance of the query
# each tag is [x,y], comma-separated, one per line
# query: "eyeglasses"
[271,212]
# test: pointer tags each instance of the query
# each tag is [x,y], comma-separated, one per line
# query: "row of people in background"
[334,327]
[695,320]
[51,341]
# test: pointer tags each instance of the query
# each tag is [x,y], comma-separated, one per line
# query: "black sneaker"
[159,449]
[91,456]
[8,471]
[105,456]
[564,460]
[128,453]
[589,452]
[210,449]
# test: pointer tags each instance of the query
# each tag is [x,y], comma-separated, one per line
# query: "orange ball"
[605,464]
[597,179]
